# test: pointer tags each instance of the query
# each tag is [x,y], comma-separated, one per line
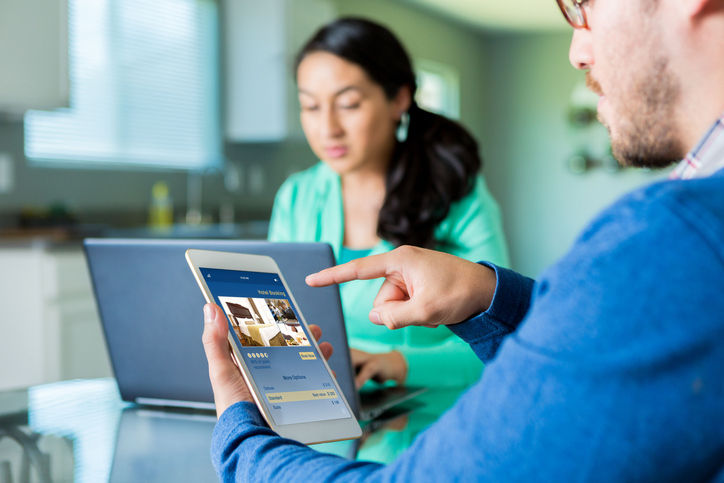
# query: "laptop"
[150,309]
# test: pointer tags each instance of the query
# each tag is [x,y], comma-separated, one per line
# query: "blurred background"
[179,118]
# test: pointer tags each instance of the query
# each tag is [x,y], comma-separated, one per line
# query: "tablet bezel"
[311,432]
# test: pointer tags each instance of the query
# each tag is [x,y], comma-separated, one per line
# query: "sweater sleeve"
[244,448]
[511,300]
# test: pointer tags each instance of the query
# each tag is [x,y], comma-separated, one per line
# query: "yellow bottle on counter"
[160,214]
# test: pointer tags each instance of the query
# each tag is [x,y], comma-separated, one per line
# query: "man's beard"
[647,134]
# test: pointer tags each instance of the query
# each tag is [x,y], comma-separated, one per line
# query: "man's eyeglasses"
[575,12]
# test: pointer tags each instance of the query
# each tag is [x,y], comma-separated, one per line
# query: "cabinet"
[33,55]
[49,326]
[261,40]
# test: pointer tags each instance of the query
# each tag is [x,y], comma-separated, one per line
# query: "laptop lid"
[151,312]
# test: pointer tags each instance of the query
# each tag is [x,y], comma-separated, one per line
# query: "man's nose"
[581,52]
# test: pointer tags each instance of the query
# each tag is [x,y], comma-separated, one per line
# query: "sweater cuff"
[510,303]
[512,296]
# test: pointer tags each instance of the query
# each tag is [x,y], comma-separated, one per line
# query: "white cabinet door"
[260,41]
[23,353]
[49,326]
[33,55]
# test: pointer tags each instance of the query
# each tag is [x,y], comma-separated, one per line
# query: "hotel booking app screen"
[294,384]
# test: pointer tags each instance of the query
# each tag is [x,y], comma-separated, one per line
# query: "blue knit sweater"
[609,368]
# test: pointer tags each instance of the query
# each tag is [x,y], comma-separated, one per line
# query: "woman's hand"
[422,287]
[226,380]
[378,367]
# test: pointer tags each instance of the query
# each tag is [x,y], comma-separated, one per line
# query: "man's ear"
[402,100]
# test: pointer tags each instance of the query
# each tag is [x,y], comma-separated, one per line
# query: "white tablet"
[289,379]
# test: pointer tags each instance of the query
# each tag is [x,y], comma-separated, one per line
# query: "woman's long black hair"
[437,163]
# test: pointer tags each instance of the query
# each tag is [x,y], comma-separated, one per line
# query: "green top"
[308,207]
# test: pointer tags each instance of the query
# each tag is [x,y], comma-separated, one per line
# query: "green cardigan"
[308,207]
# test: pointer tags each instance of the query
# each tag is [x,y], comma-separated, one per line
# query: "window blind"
[144,87]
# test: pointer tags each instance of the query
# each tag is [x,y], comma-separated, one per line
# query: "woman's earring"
[403,127]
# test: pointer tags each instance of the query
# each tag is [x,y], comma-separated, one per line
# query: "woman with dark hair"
[391,174]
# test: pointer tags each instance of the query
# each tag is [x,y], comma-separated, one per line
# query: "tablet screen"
[294,384]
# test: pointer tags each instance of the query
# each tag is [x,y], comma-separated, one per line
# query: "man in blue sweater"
[608,368]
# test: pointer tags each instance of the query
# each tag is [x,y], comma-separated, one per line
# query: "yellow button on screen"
[307,356]
[293,396]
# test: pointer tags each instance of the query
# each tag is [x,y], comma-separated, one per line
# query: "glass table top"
[81,431]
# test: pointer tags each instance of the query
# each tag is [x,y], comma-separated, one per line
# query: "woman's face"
[347,119]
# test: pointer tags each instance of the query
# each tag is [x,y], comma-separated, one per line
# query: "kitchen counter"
[58,237]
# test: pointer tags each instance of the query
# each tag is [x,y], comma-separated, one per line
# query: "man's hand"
[422,287]
[378,367]
[226,380]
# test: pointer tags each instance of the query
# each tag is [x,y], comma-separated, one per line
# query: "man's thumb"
[214,340]
[393,315]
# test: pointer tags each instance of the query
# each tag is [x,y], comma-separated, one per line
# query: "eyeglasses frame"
[582,21]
